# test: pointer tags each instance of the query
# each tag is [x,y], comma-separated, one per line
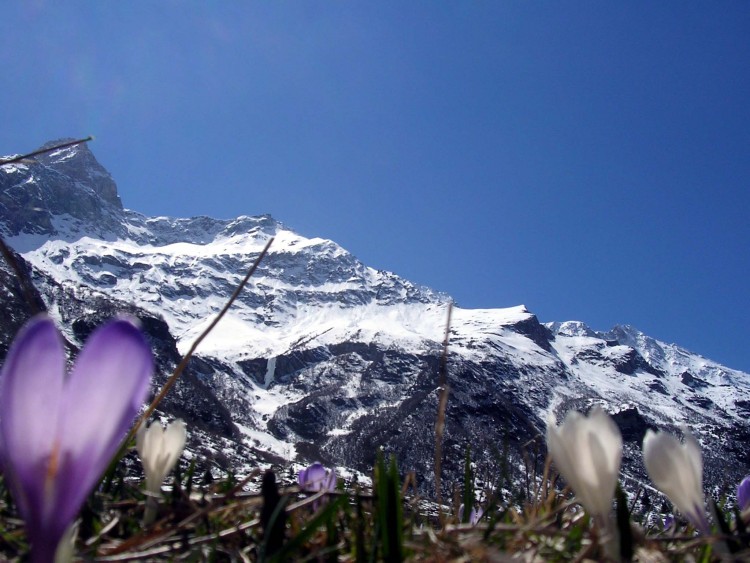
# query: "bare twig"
[442,405]
[45,150]
[183,364]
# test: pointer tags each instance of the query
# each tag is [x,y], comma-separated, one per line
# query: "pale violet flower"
[743,494]
[58,431]
[587,452]
[159,449]
[677,470]
[474,516]
[317,478]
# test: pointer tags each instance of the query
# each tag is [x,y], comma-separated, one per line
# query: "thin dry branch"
[45,150]
[183,364]
[442,405]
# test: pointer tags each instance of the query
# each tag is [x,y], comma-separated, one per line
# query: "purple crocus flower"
[743,494]
[474,516]
[58,433]
[317,478]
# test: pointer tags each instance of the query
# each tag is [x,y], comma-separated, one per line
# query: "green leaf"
[320,519]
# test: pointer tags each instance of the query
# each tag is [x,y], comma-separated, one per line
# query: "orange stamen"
[52,469]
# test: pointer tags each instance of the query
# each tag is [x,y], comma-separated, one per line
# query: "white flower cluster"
[587,451]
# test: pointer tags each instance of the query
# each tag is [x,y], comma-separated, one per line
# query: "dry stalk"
[183,364]
[442,405]
[48,149]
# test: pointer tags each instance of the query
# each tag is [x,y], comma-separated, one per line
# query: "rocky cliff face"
[67,182]
[325,358]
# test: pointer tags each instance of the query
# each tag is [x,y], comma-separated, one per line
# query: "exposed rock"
[632,424]
[693,382]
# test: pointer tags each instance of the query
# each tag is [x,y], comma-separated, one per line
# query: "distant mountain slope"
[325,358]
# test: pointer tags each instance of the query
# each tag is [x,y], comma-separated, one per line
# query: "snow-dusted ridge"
[305,286]
[324,357]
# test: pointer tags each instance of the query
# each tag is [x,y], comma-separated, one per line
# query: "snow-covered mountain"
[323,357]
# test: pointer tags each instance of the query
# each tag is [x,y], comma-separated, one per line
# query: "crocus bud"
[317,478]
[743,494]
[474,515]
[159,448]
[587,452]
[677,470]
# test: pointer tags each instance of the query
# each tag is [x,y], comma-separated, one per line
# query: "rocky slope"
[325,358]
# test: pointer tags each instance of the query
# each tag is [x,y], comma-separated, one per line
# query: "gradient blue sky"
[588,159]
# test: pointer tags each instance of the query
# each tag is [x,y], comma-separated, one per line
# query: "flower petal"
[677,470]
[30,391]
[147,441]
[159,449]
[475,516]
[312,477]
[743,493]
[107,386]
[175,437]
[558,451]
[330,481]
[659,451]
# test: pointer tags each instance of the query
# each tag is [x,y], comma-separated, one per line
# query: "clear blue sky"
[588,159]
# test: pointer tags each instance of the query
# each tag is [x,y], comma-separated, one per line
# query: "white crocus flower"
[677,470]
[587,452]
[159,449]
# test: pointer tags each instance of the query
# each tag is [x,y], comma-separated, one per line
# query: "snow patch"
[270,371]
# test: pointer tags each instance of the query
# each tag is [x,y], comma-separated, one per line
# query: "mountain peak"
[571,328]
[62,186]
[627,335]
[79,163]
[323,357]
